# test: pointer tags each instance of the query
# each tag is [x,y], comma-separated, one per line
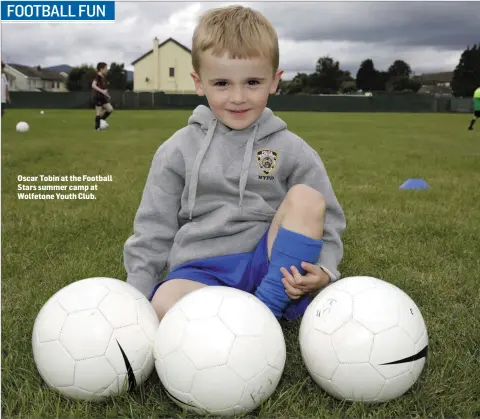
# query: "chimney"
[156,65]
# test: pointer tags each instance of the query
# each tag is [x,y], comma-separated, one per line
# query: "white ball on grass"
[22,127]
[94,339]
[363,339]
[219,351]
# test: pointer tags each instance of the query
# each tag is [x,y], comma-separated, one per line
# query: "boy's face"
[237,90]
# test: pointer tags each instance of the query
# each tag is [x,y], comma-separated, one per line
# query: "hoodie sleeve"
[156,221]
[310,170]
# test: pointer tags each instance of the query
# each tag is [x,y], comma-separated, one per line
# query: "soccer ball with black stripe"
[94,339]
[363,339]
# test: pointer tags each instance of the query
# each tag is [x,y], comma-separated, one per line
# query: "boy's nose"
[238,96]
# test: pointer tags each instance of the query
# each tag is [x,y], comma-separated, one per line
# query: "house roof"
[38,73]
[159,46]
[445,77]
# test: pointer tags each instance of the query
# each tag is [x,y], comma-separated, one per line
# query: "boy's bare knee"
[170,292]
[305,199]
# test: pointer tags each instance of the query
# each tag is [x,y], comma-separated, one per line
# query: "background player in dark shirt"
[101,98]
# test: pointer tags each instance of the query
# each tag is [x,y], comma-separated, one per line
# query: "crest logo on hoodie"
[267,160]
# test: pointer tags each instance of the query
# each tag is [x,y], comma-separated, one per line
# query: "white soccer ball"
[94,339]
[103,124]
[42,112]
[362,338]
[220,351]
[22,127]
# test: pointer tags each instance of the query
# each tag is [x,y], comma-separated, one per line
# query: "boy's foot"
[470,128]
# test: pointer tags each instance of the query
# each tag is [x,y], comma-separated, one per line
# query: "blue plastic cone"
[414,184]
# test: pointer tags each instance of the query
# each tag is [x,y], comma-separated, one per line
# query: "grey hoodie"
[207,195]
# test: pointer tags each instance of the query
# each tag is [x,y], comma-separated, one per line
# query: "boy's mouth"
[239,112]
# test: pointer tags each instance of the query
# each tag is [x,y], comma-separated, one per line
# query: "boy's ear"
[198,84]
[276,80]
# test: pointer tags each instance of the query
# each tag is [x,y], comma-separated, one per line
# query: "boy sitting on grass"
[235,198]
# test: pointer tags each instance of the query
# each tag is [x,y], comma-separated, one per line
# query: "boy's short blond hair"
[239,31]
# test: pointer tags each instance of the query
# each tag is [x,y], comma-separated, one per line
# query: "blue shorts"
[243,271]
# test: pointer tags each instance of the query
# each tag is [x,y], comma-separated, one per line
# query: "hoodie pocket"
[258,208]
[256,216]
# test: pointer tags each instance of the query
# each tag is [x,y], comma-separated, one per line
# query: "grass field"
[426,242]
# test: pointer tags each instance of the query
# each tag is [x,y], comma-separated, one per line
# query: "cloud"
[430,36]
[444,25]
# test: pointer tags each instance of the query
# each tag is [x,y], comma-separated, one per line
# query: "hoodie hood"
[266,125]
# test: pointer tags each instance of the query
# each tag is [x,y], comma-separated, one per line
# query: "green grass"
[426,242]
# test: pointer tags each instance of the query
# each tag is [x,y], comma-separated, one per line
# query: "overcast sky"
[430,36]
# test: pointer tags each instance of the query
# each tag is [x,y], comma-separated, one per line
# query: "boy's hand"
[296,285]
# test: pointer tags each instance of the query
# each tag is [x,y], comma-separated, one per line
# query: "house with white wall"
[34,79]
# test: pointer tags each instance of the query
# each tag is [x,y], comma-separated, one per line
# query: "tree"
[403,83]
[382,80]
[399,68]
[117,77]
[313,84]
[346,76]
[81,78]
[329,75]
[414,84]
[399,76]
[466,76]
[297,85]
[367,76]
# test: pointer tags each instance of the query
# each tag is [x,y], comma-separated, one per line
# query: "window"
[172,72]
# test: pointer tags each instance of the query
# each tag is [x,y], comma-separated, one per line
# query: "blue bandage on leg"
[289,248]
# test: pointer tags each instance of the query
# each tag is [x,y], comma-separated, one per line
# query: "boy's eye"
[224,83]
